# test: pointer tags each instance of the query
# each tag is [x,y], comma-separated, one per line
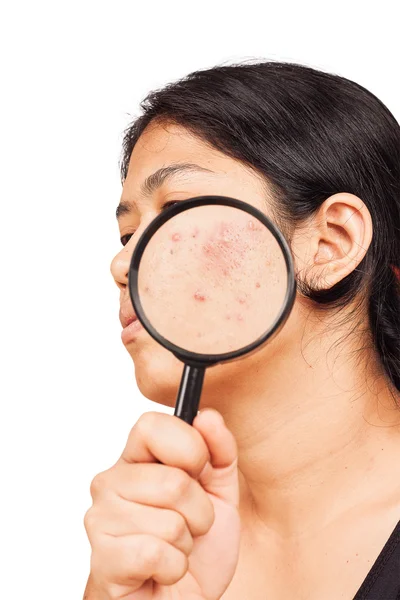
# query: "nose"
[120,263]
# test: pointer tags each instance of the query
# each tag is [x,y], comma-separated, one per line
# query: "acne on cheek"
[224,251]
[177,236]
[254,225]
[225,248]
[199,296]
[234,317]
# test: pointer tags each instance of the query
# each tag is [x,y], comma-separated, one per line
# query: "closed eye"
[125,238]
[168,204]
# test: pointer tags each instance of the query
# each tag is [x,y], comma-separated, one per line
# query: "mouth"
[130,320]
[131,325]
[127,317]
[129,333]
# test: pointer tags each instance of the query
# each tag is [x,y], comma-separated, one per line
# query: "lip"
[131,330]
[127,316]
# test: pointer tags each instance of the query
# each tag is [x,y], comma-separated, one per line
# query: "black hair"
[309,134]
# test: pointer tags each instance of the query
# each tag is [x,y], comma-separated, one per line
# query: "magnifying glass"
[212,280]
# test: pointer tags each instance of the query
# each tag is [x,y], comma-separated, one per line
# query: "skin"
[209,266]
[316,427]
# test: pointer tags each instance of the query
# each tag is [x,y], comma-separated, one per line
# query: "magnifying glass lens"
[212,279]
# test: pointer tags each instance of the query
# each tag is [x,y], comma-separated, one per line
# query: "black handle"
[188,399]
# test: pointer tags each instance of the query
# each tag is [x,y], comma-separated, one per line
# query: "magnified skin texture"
[220,276]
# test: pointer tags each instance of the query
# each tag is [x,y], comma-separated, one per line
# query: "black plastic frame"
[193,358]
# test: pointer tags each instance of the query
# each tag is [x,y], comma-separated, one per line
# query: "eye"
[125,238]
[168,204]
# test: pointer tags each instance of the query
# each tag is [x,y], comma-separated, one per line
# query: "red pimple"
[176,237]
[199,296]
[228,317]
[241,300]
[258,284]
[240,317]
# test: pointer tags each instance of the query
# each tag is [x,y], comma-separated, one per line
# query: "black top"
[383,580]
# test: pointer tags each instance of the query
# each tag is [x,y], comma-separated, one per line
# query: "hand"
[164,523]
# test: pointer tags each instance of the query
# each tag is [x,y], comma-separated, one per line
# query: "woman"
[295,492]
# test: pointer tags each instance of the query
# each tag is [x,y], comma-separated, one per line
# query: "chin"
[157,371]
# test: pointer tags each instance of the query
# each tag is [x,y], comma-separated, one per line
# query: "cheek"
[203,283]
[224,250]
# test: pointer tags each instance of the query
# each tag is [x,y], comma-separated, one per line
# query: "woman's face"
[157,370]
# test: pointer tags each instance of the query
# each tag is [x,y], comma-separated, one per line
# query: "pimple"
[241,300]
[195,232]
[254,225]
[240,317]
[258,284]
[228,317]
[199,296]
[224,249]
[176,237]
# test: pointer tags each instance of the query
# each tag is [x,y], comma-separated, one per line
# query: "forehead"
[162,145]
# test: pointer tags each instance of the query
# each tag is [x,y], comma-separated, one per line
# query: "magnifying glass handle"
[188,399]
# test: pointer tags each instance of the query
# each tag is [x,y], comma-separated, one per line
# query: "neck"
[317,435]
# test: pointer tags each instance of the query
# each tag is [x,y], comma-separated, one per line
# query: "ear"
[333,242]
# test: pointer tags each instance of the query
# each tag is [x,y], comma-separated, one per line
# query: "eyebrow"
[155,181]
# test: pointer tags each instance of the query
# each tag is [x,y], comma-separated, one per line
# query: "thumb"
[222,478]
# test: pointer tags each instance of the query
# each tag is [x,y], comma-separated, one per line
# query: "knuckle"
[176,484]
[98,484]
[146,422]
[89,521]
[149,551]
[175,527]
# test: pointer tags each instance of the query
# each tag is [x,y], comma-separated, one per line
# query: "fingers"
[167,439]
[223,480]
[130,519]
[157,485]
[220,441]
[159,496]
[130,560]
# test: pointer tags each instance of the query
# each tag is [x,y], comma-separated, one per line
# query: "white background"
[72,77]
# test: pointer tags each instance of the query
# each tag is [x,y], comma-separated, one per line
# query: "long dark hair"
[310,134]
